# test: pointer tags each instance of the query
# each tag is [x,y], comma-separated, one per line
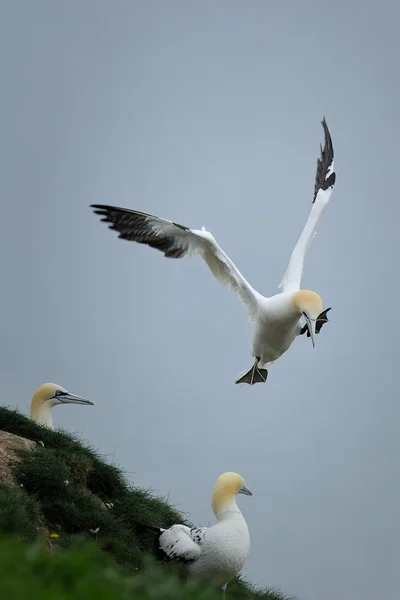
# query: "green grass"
[84,572]
[66,488]
[102,479]
[19,514]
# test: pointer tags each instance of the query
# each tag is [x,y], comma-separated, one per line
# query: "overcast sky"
[209,113]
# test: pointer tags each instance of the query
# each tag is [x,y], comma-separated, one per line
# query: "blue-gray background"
[209,113]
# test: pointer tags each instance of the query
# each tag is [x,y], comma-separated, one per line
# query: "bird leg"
[321,319]
[254,374]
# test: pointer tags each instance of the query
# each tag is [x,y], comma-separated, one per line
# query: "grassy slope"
[73,503]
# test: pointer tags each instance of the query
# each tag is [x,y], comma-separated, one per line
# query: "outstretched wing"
[177,241]
[178,543]
[324,183]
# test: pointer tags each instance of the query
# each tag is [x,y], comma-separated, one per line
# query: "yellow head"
[225,489]
[47,396]
[309,304]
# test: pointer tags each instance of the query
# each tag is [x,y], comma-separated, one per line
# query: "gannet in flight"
[47,396]
[277,319]
[215,554]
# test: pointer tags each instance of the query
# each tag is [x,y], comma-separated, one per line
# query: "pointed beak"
[311,328]
[244,490]
[72,399]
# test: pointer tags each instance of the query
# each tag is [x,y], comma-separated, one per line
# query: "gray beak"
[311,328]
[244,490]
[72,399]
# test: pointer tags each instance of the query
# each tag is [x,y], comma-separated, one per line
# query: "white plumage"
[217,553]
[277,318]
[178,543]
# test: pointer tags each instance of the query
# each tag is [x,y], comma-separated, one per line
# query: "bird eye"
[58,393]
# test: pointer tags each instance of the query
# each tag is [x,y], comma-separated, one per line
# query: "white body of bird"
[278,323]
[48,396]
[218,553]
[277,319]
[225,551]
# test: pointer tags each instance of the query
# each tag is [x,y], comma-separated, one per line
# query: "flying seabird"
[215,554]
[47,396]
[277,319]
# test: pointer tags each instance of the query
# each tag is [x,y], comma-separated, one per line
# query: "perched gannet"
[47,396]
[277,319]
[215,554]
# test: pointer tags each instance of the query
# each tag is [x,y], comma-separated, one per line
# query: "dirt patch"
[9,443]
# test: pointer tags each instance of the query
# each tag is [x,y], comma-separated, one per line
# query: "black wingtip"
[324,162]
[103,207]
[328,147]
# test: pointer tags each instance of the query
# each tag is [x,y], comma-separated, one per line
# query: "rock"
[9,443]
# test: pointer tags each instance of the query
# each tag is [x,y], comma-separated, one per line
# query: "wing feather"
[177,241]
[177,543]
[324,183]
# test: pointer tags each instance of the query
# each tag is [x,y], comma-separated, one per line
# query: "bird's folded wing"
[177,241]
[177,543]
[324,184]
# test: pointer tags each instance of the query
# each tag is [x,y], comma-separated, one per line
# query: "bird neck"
[42,414]
[281,307]
[225,510]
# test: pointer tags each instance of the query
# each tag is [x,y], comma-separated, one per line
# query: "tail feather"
[145,527]
[154,544]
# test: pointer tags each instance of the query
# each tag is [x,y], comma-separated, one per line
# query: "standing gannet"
[277,319]
[47,396]
[216,553]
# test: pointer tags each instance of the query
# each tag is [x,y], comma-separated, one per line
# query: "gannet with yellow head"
[218,553]
[47,396]
[277,319]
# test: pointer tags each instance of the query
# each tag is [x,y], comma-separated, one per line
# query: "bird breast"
[272,337]
[224,552]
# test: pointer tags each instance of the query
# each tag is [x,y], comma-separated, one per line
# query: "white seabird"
[218,553]
[47,396]
[277,319]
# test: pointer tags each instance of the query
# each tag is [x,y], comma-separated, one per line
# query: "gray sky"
[209,113]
